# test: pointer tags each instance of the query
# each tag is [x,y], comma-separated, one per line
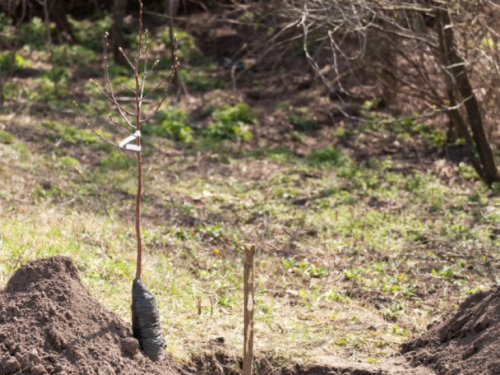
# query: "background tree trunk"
[455,67]
[58,14]
[119,7]
[172,7]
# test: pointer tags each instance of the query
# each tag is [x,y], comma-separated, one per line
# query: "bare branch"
[147,74]
[128,88]
[106,69]
[91,128]
[126,57]
[174,67]
[145,68]
[118,125]
[172,71]
[112,100]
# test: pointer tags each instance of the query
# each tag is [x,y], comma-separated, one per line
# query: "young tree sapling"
[145,314]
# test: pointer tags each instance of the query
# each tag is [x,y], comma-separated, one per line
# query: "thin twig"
[126,58]
[118,125]
[91,128]
[106,69]
[145,68]
[172,74]
[173,68]
[128,88]
[112,100]
[149,72]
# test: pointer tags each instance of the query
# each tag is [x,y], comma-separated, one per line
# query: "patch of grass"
[405,128]
[117,160]
[173,125]
[34,32]
[201,81]
[49,190]
[67,162]
[89,33]
[279,154]
[6,137]
[304,267]
[187,50]
[329,155]
[68,56]
[468,172]
[302,119]
[45,88]
[18,62]
[62,131]
[230,123]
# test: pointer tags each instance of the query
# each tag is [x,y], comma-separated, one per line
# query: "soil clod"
[9,365]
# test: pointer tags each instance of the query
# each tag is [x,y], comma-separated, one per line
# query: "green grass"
[6,137]
[230,123]
[353,257]
[352,247]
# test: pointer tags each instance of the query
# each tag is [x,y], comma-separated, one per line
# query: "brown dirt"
[337,366]
[467,342]
[218,363]
[49,323]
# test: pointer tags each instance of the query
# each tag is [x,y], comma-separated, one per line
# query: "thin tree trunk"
[58,14]
[138,104]
[55,80]
[454,114]
[119,7]
[456,67]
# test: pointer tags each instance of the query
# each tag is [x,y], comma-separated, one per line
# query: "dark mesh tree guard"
[146,321]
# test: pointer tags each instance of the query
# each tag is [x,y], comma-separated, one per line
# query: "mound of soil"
[465,343]
[49,324]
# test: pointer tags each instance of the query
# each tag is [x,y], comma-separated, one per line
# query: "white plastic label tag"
[133,148]
[124,144]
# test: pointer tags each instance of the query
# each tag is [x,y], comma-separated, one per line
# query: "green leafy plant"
[330,155]
[116,160]
[6,137]
[89,33]
[304,267]
[33,32]
[201,81]
[230,123]
[302,120]
[186,46]
[5,58]
[174,125]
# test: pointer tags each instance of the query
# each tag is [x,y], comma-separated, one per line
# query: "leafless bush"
[442,55]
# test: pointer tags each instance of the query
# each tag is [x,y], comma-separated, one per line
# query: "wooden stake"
[249,309]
